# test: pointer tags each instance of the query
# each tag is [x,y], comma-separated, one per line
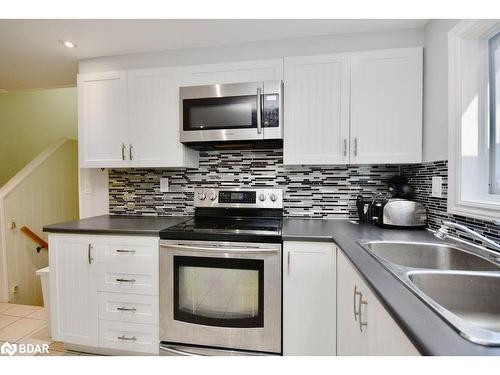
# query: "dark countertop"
[430,334]
[117,224]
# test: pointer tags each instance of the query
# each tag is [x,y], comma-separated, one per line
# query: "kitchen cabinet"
[309,298]
[364,327]
[73,290]
[102,119]
[317,109]
[104,292]
[130,119]
[357,108]
[233,72]
[153,97]
[386,106]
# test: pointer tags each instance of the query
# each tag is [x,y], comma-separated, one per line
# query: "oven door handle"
[223,249]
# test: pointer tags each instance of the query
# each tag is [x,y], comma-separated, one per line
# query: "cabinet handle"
[130,149]
[89,255]
[355,146]
[125,338]
[125,280]
[355,294]
[288,263]
[123,151]
[345,147]
[362,303]
[125,251]
[132,309]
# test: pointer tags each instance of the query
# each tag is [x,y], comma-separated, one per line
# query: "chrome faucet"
[442,233]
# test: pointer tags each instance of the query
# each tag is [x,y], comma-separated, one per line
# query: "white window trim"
[487,207]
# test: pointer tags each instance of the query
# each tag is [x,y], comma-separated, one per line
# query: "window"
[494,84]
[474,119]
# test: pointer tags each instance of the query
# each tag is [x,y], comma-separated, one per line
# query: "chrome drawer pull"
[125,338]
[357,312]
[126,280]
[125,251]
[132,309]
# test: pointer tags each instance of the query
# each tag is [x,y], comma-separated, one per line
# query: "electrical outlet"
[437,187]
[164,185]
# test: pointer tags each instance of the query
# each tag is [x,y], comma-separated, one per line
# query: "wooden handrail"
[41,243]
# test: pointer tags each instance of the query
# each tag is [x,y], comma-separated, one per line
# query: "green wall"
[30,121]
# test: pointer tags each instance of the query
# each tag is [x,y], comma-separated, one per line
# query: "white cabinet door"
[350,339]
[103,131]
[154,120]
[317,109]
[234,72]
[386,106]
[309,298]
[364,327]
[73,290]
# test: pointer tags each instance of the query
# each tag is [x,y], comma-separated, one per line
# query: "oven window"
[220,113]
[222,292]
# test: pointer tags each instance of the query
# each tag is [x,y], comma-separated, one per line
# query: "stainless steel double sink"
[461,283]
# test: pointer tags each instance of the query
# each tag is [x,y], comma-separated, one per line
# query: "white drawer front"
[132,308]
[142,338]
[129,250]
[123,278]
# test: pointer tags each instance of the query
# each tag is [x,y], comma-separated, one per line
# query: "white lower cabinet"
[100,299]
[130,337]
[364,327]
[309,301]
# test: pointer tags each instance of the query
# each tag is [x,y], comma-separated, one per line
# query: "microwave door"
[221,112]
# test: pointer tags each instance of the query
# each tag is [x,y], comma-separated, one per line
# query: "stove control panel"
[238,197]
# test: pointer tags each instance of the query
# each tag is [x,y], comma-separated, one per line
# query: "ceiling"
[31,55]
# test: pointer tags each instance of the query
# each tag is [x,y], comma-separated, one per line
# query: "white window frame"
[468,77]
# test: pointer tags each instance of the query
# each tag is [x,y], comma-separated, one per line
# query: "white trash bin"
[44,278]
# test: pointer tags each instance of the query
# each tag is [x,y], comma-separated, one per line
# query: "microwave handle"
[259,110]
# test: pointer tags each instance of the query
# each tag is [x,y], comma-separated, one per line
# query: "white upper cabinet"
[386,106]
[317,109]
[153,97]
[131,119]
[102,119]
[234,72]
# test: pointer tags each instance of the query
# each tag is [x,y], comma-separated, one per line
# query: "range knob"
[262,197]
[202,196]
[212,196]
[273,197]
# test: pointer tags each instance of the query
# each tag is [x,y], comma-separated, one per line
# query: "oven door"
[221,294]
[231,112]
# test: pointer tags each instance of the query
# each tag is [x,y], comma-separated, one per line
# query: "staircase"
[45,191]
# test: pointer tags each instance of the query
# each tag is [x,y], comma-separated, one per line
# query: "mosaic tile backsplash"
[309,191]
[420,177]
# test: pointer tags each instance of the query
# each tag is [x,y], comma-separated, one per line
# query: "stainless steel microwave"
[231,112]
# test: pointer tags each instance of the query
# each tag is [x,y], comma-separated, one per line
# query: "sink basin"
[469,301]
[429,255]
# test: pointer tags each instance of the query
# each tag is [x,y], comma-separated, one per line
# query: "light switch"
[87,187]
[163,185]
[437,187]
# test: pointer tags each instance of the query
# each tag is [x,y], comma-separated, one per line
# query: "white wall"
[435,137]
[259,50]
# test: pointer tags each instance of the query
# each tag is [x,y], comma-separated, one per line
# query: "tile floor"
[25,324]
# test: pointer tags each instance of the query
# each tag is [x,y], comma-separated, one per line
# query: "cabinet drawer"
[142,338]
[124,278]
[129,250]
[132,308]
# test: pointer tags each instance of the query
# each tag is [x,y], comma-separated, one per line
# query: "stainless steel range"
[220,275]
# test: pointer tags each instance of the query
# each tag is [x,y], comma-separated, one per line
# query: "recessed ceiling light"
[67,43]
